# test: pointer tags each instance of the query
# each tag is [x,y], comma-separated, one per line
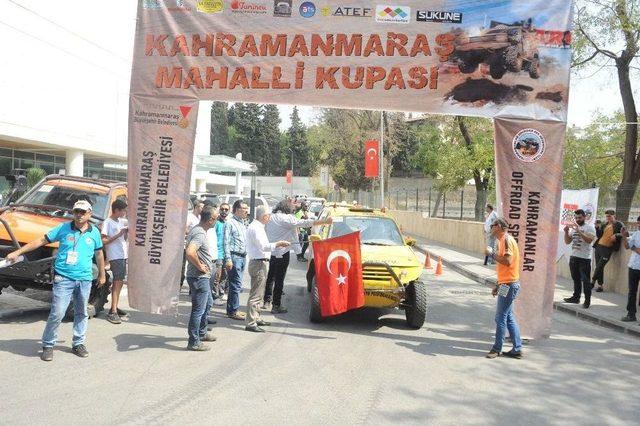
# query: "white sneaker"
[224,297]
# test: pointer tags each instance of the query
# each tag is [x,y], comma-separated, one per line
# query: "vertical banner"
[573,199]
[529,178]
[371,159]
[161,134]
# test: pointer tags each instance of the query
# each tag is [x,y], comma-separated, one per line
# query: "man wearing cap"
[78,242]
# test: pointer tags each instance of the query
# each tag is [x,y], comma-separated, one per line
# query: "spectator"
[259,252]
[491,241]
[79,242]
[193,218]
[508,271]
[235,253]
[221,273]
[633,243]
[580,235]
[609,236]
[282,226]
[114,239]
[200,265]
[303,236]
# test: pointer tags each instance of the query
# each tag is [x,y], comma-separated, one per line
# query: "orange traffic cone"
[427,262]
[439,267]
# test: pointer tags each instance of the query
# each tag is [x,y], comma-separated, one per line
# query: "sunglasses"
[78,211]
[224,209]
[494,224]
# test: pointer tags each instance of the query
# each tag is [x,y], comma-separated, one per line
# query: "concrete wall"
[469,236]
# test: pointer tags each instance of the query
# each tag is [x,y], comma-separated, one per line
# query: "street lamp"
[291,189]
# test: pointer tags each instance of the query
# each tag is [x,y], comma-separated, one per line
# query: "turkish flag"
[371,158]
[338,267]
[289,176]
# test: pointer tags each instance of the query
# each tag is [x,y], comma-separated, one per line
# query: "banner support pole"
[381,158]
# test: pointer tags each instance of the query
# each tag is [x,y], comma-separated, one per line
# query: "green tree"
[608,34]
[455,150]
[296,141]
[272,139]
[35,175]
[219,143]
[594,155]
[247,125]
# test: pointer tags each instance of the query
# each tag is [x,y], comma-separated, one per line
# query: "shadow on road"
[133,342]
[24,347]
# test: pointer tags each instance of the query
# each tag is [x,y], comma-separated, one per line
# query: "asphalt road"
[361,368]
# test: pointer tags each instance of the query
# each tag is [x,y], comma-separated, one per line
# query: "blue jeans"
[506,319]
[63,291]
[235,284]
[201,303]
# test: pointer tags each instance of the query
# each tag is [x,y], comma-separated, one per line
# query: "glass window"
[5,166]
[373,230]
[65,197]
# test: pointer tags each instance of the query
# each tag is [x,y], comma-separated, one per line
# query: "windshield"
[65,197]
[373,230]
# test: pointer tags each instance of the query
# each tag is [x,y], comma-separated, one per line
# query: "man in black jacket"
[608,238]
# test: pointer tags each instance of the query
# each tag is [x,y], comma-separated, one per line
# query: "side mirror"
[409,241]
[314,237]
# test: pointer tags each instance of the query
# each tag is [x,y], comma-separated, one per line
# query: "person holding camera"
[580,235]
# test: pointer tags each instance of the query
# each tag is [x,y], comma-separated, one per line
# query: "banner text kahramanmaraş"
[298,45]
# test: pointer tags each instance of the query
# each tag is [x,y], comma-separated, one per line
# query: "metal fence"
[450,205]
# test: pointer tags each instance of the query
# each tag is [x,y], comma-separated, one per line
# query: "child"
[114,236]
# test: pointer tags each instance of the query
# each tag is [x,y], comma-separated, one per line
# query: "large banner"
[529,179]
[485,58]
[572,200]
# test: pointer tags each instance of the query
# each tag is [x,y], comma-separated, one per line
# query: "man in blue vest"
[79,242]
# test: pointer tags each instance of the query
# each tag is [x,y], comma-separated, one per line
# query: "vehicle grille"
[376,276]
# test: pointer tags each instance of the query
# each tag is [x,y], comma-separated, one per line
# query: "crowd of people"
[221,244]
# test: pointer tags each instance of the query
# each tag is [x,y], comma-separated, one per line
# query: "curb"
[21,311]
[582,314]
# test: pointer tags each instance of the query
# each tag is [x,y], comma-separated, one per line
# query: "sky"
[102,38]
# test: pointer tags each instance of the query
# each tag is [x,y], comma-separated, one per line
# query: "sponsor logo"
[184,122]
[528,145]
[439,16]
[163,115]
[170,5]
[307,9]
[347,11]
[88,240]
[282,8]
[209,6]
[393,14]
[238,6]
[70,238]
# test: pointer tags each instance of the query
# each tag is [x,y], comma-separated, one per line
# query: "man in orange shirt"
[507,257]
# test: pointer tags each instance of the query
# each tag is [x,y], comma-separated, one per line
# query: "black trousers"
[275,279]
[580,273]
[634,278]
[603,254]
[304,240]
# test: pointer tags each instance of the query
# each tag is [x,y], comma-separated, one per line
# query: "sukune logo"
[239,6]
[439,16]
[528,145]
[393,14]
[347,11]
[307,9]
[282,8]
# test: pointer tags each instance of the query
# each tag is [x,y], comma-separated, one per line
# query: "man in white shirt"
[259,252]
[580,235]
[114,239]
[633,243]
[491,240]
[194,216]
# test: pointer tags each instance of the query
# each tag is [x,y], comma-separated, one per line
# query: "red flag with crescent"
[371,158]
[338,266]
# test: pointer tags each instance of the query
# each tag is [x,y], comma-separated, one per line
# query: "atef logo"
[347,11]
[393,14]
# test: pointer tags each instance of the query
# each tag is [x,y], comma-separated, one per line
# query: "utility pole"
[291,188]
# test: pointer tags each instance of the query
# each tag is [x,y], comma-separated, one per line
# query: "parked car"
[203,196]
[390,269]
[41,208]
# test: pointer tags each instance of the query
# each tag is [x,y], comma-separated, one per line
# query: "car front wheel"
[416,301]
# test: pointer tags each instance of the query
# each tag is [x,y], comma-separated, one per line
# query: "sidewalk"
[606,308]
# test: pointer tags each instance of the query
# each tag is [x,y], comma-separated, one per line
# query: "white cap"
[82,205]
